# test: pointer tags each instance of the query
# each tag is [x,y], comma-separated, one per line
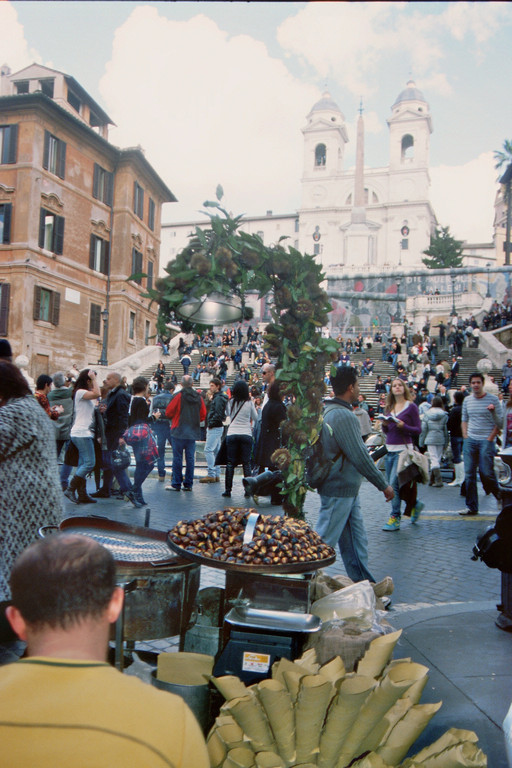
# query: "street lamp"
[398,298]
[103,359]
[452,277]
[215,309]
[488,294]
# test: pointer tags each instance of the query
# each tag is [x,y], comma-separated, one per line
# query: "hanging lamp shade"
[215,309]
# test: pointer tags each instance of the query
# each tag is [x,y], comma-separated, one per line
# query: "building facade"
[78,217]
[369,218]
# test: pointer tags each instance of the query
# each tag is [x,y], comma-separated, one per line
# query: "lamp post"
[488,294]
[452,278]
[103,359]
[398,298]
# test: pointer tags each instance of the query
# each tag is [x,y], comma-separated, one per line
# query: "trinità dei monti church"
[369,219]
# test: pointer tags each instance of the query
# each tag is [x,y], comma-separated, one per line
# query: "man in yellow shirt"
[63,704]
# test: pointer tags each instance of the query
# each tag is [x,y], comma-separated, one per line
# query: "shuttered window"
[99,251]
[138,200]
[54,155]
[8,143]
[5,223]
[95,320]
[51,231]
[136,266]
[151,214]
[46,305]
[5,292]
[103,185]
[149,281]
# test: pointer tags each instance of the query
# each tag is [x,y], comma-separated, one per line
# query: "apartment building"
[78,217]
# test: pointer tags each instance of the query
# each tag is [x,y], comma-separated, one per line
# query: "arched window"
[407,147]
[320,154]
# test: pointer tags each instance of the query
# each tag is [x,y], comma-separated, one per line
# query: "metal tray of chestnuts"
[245,541]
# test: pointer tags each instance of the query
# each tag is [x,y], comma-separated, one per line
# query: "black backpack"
[317,465]
[494,547]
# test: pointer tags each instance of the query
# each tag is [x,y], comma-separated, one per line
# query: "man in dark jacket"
[115,415]
[340,520]
[186,411]
[214,428]
[162,427]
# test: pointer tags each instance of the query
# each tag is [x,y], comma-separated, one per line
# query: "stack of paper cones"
[311,716]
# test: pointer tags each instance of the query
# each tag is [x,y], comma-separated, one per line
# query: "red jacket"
[186,410]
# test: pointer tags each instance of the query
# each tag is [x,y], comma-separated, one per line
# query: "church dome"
[326,104]
[410,93]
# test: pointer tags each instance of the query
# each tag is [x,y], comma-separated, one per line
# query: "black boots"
[70,490]
[262,485]
[78,485]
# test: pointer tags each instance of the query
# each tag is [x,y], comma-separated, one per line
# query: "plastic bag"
[355,604]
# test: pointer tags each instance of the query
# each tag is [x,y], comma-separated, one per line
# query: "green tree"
[504,158]
[222,258]
[444,250]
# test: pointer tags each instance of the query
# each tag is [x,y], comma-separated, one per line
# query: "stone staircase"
[467,366]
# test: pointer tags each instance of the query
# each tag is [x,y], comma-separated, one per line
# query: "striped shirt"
[481,421]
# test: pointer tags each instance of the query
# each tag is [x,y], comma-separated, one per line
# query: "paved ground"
[444,601]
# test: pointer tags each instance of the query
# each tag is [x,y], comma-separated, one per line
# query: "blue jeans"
[340,522]
[479,453]
[456,443]
[86,457]
[162,431]
[180,444]
[211,448]
[142,470]
[391,464]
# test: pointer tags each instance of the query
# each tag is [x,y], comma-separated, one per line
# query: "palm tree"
[504,158]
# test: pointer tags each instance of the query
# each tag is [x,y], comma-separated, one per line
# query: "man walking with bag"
[340,520]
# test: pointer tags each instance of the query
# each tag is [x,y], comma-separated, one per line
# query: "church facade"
[372,219]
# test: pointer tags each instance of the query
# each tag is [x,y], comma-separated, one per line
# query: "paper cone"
[314,696]
[229,686]
[342,714]
[217,750]
[251,719]
[404,733]
[390,689]
[457,748]
[384,727]
[378,654]
[240,757]
[371,761]
[278,706]
[308,661]
[333,670]
[229,731]
[269,760]
[184,668]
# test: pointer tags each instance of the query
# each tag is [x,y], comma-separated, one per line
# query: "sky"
[217,92]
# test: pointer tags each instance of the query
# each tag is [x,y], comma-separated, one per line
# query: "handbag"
[120,458]
[221,458]
[411,456]
[71,455]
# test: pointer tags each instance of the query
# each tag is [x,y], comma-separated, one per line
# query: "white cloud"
[14,48]
[209,108]
[463,198]
[476,19]
[353,42]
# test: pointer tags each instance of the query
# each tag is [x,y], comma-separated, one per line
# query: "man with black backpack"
[340,520]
